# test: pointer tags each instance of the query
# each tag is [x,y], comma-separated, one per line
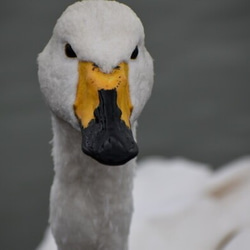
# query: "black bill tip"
[107,139]
[109,149]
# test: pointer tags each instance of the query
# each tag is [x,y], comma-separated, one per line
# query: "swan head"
[96,74]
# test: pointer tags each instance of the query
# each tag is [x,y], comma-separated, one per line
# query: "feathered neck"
[91,204]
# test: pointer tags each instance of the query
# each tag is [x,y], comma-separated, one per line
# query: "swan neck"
[100,196]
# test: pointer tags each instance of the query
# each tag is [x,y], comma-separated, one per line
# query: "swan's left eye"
[135,53]
[69,51]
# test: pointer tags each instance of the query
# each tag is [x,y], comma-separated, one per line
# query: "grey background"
[200,107]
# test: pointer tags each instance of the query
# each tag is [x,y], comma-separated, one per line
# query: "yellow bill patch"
[91,80]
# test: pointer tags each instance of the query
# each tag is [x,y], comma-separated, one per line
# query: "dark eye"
[69,51]
[135,53]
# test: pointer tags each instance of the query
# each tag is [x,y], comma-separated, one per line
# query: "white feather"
[181,204]
[178,204]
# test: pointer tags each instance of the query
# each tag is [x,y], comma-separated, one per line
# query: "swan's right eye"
[69,51]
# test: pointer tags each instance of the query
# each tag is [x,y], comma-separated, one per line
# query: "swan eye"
[69,51]
[135,53]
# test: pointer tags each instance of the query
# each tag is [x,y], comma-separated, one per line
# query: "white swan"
[96,76]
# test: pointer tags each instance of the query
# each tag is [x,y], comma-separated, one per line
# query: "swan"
[96,76]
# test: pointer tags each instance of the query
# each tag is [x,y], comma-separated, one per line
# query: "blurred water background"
[200,107]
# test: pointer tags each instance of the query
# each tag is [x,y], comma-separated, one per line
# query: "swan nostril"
[110,144]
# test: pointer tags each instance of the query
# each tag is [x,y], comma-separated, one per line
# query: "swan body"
[189,206]
[96,76]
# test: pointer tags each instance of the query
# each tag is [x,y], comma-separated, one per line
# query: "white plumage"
[178,204]
[184,205]
[90,204]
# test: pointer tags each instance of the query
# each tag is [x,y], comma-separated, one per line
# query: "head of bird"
[96,74]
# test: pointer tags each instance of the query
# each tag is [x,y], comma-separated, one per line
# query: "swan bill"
[103,108]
